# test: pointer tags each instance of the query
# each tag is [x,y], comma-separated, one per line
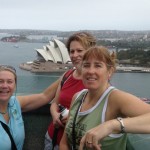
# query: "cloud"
[75,15]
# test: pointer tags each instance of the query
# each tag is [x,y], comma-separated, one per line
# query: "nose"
[91,69]
[74,54]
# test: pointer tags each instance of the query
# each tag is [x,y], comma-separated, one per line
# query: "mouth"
[4,91]
[76,61]
[91,79]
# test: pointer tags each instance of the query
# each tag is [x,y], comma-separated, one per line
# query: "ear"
[110,73]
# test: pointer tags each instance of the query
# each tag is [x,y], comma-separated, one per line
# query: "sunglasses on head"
[8,67]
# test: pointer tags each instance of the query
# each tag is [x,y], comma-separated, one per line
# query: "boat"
[16,46]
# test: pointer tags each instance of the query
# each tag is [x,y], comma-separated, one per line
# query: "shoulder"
[78,96]
[80,93]
[124,103]
[119,99]
[65,76]
[119,94]
[13,101]
[68,72]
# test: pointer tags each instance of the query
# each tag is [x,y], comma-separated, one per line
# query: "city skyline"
[66,15]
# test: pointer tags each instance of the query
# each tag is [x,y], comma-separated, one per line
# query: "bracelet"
[121,125]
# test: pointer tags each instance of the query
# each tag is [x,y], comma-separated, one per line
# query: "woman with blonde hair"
[12,132]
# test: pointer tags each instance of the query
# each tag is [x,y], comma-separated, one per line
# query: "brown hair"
[101,53]
[84,38]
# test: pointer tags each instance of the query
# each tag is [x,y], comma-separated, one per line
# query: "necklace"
[3,113]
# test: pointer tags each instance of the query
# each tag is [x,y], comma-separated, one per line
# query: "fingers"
[89,145]
[64,120]
[57,122]
[82,143]
[95,142]
[89,142]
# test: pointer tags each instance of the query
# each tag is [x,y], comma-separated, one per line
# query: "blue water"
[135,83]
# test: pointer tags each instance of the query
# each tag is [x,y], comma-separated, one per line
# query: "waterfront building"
[53,57]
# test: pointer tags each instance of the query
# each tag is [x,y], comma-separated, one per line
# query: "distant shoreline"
[28,67]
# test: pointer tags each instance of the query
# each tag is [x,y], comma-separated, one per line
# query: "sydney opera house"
[53,57]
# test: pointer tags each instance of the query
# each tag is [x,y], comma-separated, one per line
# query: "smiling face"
[95,74]
[76,53]
[77,44]
[7,85]
[97,68]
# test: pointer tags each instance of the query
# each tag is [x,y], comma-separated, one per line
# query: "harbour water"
[135,83]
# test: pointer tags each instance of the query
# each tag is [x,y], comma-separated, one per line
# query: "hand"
[56,120]
[64,120]
[90,143]
[92,137]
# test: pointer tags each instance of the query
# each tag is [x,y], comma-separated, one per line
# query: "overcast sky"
[73,15]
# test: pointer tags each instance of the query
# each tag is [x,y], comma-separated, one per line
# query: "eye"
[98,65]
[71,51]
[80,50]
[1,81]
[86,65]
[10,81]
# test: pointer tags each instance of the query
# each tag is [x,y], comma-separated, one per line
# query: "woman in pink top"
[77,45]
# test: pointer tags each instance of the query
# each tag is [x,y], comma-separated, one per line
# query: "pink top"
[70,87]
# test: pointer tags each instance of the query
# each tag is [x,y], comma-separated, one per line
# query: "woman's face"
[95,74]
[76,53]
[7,85]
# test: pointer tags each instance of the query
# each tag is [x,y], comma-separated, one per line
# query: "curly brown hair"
[85,39]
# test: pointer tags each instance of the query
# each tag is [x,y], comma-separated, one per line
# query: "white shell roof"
[63,51]
[56,51]
[45,54]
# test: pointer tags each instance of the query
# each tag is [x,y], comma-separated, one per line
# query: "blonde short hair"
[10,69]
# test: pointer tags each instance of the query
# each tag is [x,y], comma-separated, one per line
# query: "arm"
[126,105]
[54,106]
[54,109]
[63,143]
[30,102]
[139,124]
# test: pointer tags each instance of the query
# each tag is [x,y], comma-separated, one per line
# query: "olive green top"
[91,118]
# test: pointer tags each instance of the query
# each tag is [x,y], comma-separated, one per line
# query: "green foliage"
[136,50]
